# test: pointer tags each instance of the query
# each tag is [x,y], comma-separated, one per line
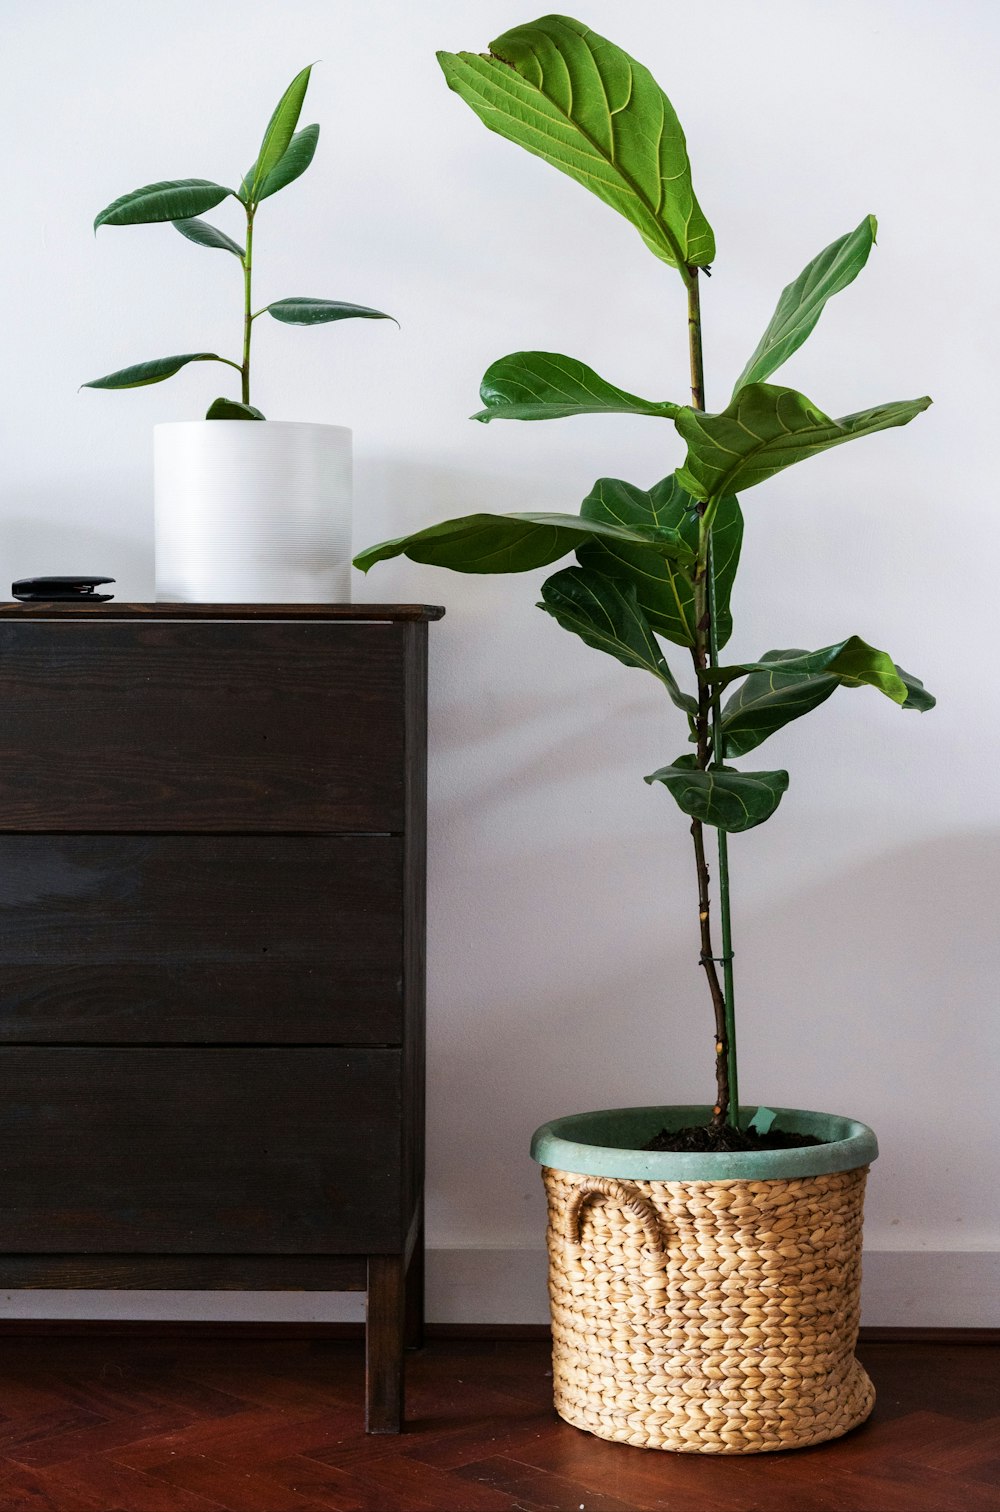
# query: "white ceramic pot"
[252,511]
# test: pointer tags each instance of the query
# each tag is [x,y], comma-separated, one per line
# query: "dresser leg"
[384,1345]
[413,1333]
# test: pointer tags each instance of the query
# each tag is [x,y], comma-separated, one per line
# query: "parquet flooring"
[111,1424]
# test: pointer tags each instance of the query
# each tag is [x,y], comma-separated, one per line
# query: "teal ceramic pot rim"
[607,1143]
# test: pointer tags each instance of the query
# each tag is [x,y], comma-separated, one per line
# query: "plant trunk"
[708,730]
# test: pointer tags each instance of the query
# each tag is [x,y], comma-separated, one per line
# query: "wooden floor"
[110,1424]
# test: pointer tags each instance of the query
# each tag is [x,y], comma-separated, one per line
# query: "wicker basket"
[709,1317]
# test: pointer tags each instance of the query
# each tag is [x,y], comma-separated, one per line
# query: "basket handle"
[626,1197]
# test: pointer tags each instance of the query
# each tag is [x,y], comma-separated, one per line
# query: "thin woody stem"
[248,318]
[710,751]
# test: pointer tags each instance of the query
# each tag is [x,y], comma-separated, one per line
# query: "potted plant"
[704,1260]
[245,512]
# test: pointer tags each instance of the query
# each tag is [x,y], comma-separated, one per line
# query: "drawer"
[201,938]
[210,726]
[223,1151]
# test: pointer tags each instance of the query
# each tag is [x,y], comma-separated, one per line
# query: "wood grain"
[189,939]
[264,1151]
[204,726]
[91,1425]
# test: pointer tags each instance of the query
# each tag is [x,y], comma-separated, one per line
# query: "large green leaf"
[511,543]
[277,137]
[549,386]
[803,301]
[579,102]
[605,614]
[768,700]
[765,429]
[171,200]
[207,235]
[153,371]
[305,311]
[852,661]
[293,162]
[727,799]
[663,587]
[784,685]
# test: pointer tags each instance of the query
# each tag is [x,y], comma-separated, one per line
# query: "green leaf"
[803,301]
[663,587]
[579,102]
[305,311]
[153,371]
[293,162]
[208,236]
[770,699]
[277,137]
[510,543]
[727,799]
[852,661]
[784,685]
[171,200]
[231,409]
[917,696]
[549,386]
[766,429]
[605,614]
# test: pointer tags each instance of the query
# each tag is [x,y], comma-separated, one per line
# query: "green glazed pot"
[608,1143]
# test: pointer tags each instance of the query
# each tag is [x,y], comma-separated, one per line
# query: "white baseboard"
[902,1289]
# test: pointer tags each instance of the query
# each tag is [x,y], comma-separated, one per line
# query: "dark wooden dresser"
[212,825]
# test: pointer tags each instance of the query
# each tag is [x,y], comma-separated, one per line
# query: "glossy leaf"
[802,302]
[207,235]
[784,685]
[549,386]
[293,162]
[231,409]
[605,614]
[770,699]
[510,543]
[766,429]
[663,587]
[853,662]
[579,102]
[305,311]
[171,200]
[278,136]
[153,371]
[917,696]
[726,799]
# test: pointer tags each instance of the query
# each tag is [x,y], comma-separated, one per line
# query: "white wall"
[562,930]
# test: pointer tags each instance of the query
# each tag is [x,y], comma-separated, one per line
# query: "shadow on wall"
[869,993]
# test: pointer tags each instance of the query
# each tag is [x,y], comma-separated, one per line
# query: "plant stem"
[710,749]
[247,316]
[719,756]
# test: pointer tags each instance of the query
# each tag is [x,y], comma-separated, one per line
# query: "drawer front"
[200,939]
[199,1151]
[201,726]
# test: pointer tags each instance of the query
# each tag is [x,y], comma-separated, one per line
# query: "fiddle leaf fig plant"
[284,156]
[659,563]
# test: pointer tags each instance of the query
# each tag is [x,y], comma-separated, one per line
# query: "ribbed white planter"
[252,511]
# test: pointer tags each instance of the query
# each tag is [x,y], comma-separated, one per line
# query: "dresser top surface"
[124,611]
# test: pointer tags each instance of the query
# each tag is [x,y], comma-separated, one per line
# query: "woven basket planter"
[707,1304]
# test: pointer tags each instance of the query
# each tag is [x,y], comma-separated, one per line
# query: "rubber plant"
[284,156]
[659,563]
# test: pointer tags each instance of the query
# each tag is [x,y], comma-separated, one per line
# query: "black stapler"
[51,590]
